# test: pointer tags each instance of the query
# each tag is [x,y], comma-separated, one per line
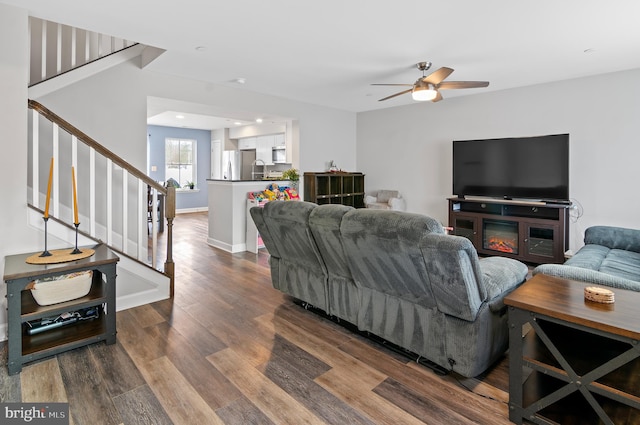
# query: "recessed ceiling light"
[590,50]
[237,123]
[180,117]
[240,80]
[258,120]
[201,48]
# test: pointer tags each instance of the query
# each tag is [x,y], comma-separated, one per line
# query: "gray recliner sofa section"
[610,257]
[396,275]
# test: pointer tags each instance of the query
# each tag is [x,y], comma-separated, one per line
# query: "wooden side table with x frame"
[572,360]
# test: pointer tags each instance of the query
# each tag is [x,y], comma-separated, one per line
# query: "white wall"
[410,147]
[16,235]
[111,108]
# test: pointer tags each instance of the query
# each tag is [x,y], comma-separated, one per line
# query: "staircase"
[112,194]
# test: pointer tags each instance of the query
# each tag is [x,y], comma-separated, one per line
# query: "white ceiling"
[186,120]
[329,52]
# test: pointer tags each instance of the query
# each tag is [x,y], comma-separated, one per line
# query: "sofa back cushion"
[455,275]
[383,251]
[342,292]
[613,237]
[324,222]
[288,226]
[301,270]
[385,195]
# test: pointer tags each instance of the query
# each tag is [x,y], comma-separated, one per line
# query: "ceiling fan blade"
[383,84]
[438,97]
[394,95]
[448,85]
[437,76]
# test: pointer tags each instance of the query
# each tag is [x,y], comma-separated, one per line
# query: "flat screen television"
[531,168]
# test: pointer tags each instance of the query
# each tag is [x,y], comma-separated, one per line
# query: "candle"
[46,208]
[75,197]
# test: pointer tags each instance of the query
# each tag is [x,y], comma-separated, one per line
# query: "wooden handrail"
[69,128]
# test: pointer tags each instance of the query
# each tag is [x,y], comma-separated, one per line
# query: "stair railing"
[57,48]
[117,192]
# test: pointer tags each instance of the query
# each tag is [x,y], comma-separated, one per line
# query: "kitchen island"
[228,211]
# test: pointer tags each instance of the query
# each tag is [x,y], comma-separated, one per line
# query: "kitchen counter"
[228,211]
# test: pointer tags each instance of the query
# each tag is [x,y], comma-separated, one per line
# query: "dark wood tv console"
[534,232]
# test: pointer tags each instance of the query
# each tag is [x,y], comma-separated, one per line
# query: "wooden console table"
[21,307]
[534,232]
[583,357]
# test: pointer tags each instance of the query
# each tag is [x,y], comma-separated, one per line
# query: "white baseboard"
[192,210]
[140,298]
[227,247]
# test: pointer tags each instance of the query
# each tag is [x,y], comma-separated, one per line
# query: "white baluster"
[142,218]
[35,161]
[87,46]
[92,191]
[56,171]
[125,210]
[74,47]
[154,226]
[58,49]
[109,201]
[43,46]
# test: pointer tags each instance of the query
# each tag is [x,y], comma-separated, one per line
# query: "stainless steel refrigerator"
[236,165]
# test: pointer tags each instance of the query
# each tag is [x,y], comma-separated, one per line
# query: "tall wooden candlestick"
[75,198]
[46,208]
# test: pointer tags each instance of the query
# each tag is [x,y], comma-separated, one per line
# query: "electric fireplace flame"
[501,236]
[501,244]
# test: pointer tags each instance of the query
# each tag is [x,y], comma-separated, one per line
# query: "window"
[180,163]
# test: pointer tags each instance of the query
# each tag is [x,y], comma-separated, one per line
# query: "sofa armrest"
[613,237]
[397,204]
[587,275]
[257,214]
[500,276]
[368,199]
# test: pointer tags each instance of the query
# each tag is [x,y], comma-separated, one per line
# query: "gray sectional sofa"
[610,257]
[396,275]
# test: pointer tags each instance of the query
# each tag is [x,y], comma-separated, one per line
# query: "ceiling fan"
[428,87]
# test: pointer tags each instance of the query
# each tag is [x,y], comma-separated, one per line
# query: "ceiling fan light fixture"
[423,94]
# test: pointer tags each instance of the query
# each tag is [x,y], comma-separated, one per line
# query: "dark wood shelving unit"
[31,310]
[334,188]
[535,232]
[62,339]
[22,307]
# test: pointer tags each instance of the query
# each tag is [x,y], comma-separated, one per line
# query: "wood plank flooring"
[230,349]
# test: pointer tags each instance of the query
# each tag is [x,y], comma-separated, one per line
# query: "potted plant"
[191,185]
[292,175]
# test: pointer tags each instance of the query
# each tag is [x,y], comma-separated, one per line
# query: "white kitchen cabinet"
[247,143]
[264,145]
[278,140]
